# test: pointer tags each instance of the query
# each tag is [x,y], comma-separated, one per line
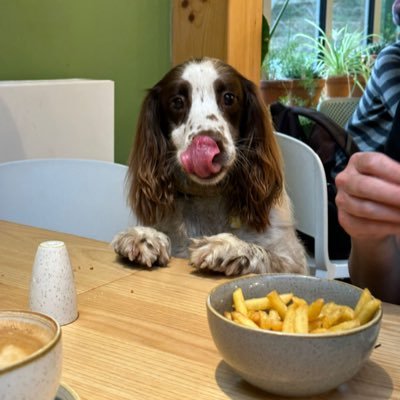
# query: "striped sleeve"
[371,122]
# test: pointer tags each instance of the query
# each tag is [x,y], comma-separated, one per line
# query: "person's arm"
[375,264]
[386,71]
[368,203]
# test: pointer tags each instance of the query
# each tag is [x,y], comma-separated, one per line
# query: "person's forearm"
[376,264]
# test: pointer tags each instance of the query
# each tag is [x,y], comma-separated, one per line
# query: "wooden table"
[143,334]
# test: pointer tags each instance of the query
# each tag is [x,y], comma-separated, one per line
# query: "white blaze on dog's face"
[204,138]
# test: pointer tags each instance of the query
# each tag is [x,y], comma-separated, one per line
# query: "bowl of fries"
[293,335]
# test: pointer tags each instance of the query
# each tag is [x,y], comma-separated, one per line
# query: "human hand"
[368,197]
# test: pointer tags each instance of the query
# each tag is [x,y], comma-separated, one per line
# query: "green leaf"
[268,32]
[265,38]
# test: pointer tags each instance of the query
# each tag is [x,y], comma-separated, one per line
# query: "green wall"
[127,41]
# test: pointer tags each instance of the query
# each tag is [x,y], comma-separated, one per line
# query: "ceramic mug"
[30,356]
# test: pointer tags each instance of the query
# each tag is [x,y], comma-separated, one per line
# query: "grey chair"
[339,109]
[83,197]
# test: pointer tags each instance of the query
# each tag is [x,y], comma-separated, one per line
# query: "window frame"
[325,15]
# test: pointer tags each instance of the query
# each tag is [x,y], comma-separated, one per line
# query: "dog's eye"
[229,98]
[177,103]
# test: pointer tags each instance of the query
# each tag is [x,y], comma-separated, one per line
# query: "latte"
[18,340]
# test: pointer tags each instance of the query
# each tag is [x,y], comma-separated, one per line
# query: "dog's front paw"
[143,245]
[222,253]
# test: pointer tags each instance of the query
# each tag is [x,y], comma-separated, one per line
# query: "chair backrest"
[306,187]
[339,109]
[82,197]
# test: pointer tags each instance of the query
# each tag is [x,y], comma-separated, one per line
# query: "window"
[387,29]
[352,13]
[293,19]
[367,16]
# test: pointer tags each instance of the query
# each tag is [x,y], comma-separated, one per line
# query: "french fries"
[263,303]
[277,304]
[238,302]
[292,314]
[314,309]
[288,322]
[301,319]
[368,311]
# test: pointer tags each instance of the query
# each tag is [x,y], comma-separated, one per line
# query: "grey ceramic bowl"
[290,364]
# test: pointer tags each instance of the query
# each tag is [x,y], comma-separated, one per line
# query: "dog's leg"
[228,254]
[143,245]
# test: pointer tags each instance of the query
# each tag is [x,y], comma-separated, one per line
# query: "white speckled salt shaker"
[52,289]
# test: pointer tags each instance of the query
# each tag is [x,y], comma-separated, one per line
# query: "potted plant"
[277,87]
[288,63]
[341,59]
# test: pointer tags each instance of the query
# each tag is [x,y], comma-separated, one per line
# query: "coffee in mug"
[20,339]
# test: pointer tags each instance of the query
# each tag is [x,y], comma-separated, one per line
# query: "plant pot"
[275,90]
[356,90]
[306,93]
[338,86]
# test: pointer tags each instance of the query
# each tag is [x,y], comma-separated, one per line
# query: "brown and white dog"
[205,177]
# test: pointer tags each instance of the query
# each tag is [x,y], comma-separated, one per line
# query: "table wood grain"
[143,334]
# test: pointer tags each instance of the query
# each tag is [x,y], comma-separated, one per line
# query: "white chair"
[83,197]
[339,109]
[306,187]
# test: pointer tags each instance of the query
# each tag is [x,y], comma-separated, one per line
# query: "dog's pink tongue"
[198,157]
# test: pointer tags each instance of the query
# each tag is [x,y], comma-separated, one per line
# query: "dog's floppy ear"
[258,183]
[150,192]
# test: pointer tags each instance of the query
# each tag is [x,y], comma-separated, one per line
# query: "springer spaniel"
[206,178]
